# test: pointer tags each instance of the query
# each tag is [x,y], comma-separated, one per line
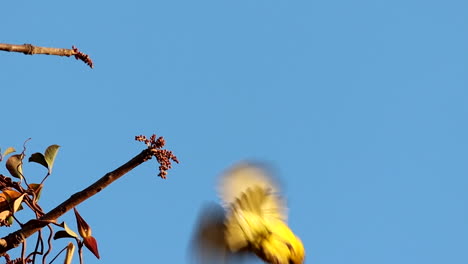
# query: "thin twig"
[29,49]
[80,252]
[49,241]
[23,250]
[38,242]
[14,239]
[58,254]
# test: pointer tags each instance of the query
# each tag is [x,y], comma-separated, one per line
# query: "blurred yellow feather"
[254,220]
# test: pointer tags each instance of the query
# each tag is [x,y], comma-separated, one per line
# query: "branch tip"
[83,57]
[29,49]
[163,156]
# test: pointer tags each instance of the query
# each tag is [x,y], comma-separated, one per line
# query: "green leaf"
[8,151]
[10,220]
[14,165]
[17,203]
[38,158]
[47,159]
[50,154]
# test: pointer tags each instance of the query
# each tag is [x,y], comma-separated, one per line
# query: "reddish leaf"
[6,199]
[91,243]
[83,228]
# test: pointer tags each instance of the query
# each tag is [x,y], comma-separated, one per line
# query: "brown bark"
[29,49]
[16,238]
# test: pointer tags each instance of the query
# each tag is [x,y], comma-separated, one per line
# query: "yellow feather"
[254,221]
[256,216]
[235,182]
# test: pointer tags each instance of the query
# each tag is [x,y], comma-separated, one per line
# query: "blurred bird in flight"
[251,220]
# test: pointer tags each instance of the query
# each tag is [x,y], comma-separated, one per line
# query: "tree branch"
[16,238]
[29,49]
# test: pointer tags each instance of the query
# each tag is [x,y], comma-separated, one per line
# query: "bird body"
[254,218]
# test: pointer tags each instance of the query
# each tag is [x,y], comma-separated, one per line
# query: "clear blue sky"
[360,105]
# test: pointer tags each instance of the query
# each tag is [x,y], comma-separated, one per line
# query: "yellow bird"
[252,220]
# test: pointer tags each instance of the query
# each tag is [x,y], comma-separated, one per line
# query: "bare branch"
[29,49]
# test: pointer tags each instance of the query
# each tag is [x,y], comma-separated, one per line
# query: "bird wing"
[263,197]
[251,199]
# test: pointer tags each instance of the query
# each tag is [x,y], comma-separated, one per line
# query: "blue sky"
[360,105]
